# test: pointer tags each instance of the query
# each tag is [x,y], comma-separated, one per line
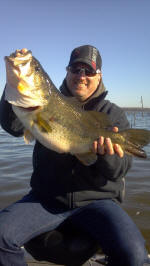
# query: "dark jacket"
[62,178]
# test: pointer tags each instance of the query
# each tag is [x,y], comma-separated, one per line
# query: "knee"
[7,236]
[133,256]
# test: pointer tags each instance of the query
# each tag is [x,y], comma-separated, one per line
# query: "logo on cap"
[94,54]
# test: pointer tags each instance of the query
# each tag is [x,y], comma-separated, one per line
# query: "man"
[63,188]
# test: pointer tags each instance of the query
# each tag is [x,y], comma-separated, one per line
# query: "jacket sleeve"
[8,120]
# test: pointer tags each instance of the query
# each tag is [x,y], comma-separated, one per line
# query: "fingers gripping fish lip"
[18,61]
[19,55]
[24,80]
[18,68]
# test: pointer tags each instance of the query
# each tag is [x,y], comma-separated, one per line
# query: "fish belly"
[59,139]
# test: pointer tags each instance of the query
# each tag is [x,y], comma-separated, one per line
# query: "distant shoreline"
[136,109]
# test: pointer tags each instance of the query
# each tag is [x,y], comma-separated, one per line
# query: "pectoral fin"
[87,158]
[43,124]
[28,137]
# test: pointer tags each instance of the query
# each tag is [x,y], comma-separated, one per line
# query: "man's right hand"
[105,146]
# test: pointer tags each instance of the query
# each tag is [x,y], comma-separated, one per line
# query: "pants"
[104,220]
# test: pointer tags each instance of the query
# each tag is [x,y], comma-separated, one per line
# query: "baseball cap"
[87,54]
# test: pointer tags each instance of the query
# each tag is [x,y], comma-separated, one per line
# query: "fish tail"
[135,139]
[135,150]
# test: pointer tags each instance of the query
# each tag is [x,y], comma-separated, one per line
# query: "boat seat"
[65,245]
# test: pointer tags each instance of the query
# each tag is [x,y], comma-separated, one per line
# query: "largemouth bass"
[56,121]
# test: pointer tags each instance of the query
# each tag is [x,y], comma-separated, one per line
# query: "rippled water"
[137,199]
[16,168]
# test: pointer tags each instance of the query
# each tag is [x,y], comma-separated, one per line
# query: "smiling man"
[82,80]
[83,75]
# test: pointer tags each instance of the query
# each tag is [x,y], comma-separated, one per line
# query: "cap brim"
[82,60]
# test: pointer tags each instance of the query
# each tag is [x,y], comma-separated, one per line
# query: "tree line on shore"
[136,109]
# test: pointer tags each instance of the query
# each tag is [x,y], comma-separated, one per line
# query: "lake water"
[16,168]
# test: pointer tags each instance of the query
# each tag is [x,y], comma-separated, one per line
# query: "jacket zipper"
[71,196]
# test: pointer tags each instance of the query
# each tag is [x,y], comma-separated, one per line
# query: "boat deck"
[88,263]
[92,262]
[36,263]
[32,262]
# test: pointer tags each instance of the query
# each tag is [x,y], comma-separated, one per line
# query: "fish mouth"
[10,61]
[14,64]
[16,60]
[30,109]
[18,66]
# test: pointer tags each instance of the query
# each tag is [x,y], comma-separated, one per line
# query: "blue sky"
[53,28]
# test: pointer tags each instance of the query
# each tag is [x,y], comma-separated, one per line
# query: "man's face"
[80,83]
